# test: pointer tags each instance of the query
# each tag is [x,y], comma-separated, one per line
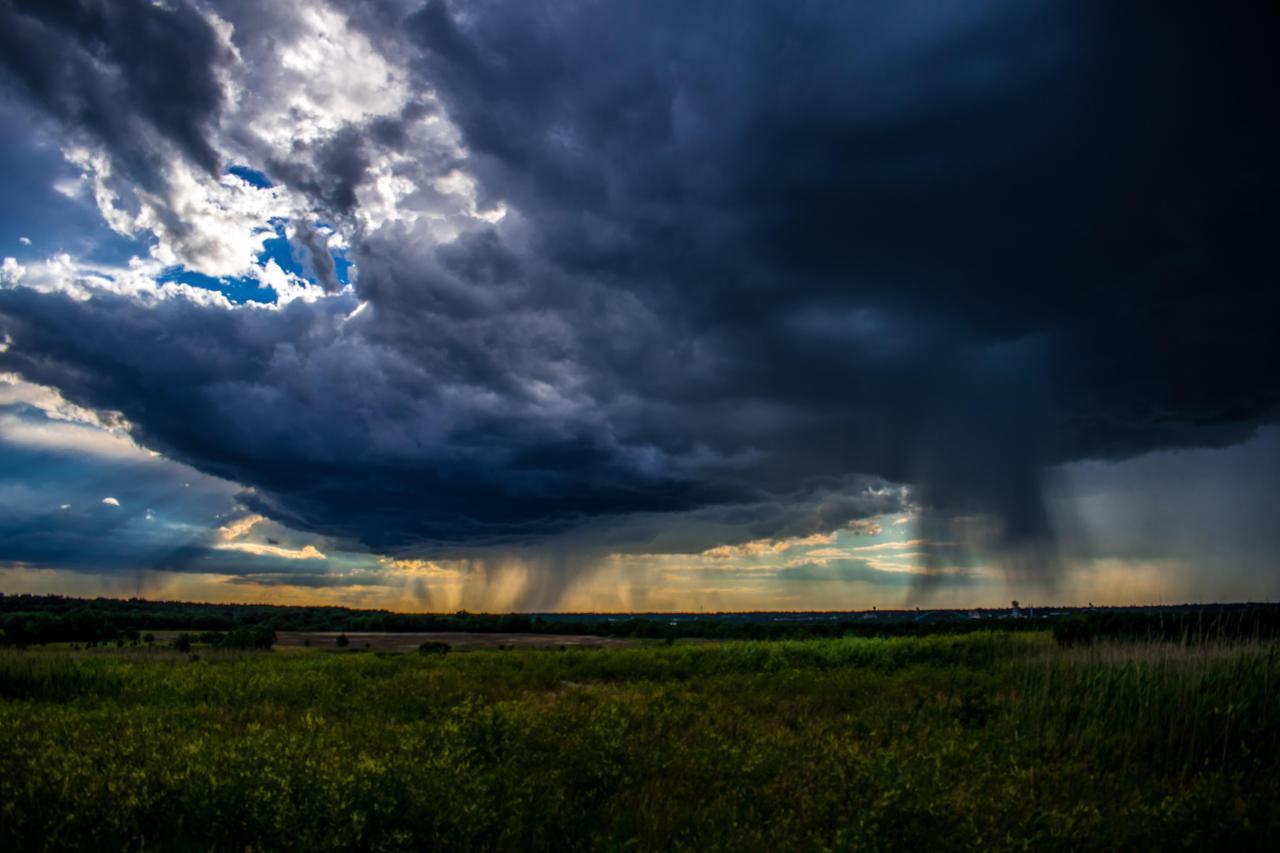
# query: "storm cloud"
[632,276]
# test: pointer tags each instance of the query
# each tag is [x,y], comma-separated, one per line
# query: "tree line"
[35,619]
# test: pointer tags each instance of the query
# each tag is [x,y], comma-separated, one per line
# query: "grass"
[965,742]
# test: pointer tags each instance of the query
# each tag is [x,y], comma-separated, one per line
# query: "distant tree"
[342,641]
[148,638]
[182,643]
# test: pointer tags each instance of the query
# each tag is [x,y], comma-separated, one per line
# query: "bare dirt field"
[460,641]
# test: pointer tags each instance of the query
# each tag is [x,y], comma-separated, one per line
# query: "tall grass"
[1182,707]
[967,742]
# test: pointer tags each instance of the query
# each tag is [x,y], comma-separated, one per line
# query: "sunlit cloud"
[240,527]
[306,552]
[762,547]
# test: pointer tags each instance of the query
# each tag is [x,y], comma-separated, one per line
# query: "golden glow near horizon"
[802,574]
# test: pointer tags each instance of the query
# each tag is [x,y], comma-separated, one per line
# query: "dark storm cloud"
[119,71]
[753,252]
[974,244]
[337,432]
[315,255]
[332,175]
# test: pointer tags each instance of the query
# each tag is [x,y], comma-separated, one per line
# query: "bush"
[1075,630]
[342,642]
[247,638]
[434,647]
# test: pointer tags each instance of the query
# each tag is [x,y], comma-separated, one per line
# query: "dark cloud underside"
[753,254]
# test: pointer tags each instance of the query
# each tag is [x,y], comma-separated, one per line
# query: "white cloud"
[12,272]
[903,545]
[111,502]
[61,425]
[224,223]
[240,527]
[212,226]
[63,274]
[326,77]
[15,391]
[287,286]
[413,567]
[865,527]
[76,438]
[764,547]
[306,552]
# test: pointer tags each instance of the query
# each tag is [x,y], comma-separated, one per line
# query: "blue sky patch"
[277,249]
[238,289]
[251,176]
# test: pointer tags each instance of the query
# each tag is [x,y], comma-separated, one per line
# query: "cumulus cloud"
[306,552]
[762,547]
[627,275]
[865,527]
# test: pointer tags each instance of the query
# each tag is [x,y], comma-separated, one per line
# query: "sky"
[617,306]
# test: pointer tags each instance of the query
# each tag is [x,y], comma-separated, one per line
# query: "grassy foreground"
[979,741]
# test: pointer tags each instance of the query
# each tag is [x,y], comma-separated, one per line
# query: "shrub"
[434,647]
[247,638]
[342,642]
[1074,630]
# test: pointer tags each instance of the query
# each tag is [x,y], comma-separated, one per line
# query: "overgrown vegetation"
[948,742]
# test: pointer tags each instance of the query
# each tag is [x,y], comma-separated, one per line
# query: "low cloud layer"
[655,277]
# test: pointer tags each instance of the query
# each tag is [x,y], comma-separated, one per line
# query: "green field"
[971,742]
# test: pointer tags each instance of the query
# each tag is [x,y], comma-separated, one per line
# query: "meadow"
[978,741]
